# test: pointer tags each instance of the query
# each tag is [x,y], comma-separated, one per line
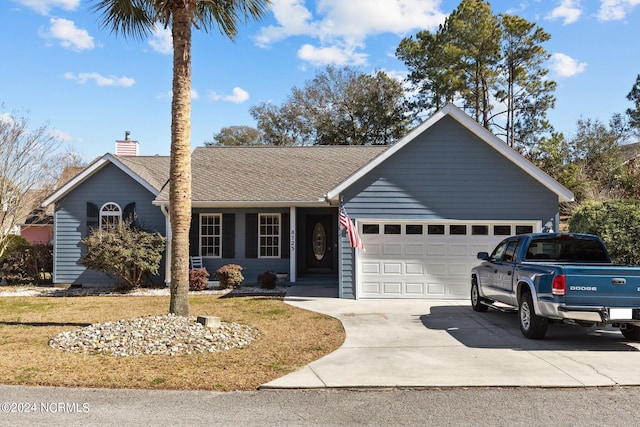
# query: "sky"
[61,68]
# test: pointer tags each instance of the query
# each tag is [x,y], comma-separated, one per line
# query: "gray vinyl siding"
[251,267]
[445,173]
[109,184]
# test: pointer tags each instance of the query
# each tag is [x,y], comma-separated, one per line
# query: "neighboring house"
[423,208]
[36,224]
[37,228]
[110,187]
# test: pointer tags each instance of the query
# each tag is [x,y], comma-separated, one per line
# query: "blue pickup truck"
[558,278]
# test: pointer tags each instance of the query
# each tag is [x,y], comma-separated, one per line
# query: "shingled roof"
[153,169]
[271,174]
[150,171]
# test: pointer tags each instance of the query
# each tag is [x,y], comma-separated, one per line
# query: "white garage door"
[426,259]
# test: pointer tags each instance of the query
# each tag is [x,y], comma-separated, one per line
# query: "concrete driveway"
[397,343]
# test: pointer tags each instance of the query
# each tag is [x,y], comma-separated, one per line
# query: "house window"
[211,235]
[110,215]
[413,229]
[370,228]
[269,235]
[435,229]
[457,229]
[480,230]
[502,230]
[392,229]
[524,229]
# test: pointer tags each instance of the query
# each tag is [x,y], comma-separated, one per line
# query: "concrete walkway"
[398,343]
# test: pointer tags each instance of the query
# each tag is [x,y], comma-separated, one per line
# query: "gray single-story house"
[111,186]
[423,208]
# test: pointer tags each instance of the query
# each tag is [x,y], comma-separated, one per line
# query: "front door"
[320,242]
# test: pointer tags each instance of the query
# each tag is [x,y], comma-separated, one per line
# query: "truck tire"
[532,326]
[631,332]
[476,299]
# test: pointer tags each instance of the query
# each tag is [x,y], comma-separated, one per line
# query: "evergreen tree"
[490,65]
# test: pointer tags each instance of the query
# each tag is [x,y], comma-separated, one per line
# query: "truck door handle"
[509,273]
[495,271]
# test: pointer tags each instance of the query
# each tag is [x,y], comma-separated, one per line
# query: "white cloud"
[100,80]
[615,10]
[60,135]
[44,6]
[331,55]
[341,27]
[161,40]
[238,96]
[6,119]
[69,36]
[566,66]
[569,11]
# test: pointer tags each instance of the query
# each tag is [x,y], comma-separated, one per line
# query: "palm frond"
[131,18]
[227,14]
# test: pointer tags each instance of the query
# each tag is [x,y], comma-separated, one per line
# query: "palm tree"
[138,18]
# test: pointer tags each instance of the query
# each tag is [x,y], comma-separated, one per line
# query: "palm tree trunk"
[180,174]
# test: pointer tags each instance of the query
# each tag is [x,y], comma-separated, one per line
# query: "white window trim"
[110,213]
[209,215]
[536,225]
[279,246]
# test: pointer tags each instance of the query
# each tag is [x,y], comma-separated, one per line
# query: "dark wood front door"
[320,242]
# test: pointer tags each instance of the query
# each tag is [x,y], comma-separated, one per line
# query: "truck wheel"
[532,326]
[476,299]
[631,332]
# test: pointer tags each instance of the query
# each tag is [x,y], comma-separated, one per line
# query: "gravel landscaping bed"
[165,335]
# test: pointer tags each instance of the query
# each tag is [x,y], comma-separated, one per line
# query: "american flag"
[345,221]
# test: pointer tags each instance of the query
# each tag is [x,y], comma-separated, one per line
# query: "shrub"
[13,243]
[25,263]
[230,276]
[267,280]
[617,222]
[124,252]
[198,279]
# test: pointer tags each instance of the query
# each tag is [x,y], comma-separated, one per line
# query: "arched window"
[110,215]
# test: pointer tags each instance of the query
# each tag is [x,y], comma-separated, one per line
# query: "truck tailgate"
[600,285]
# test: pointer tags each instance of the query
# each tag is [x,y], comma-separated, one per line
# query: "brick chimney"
[127,147]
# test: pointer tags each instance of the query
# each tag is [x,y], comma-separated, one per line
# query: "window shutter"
[129,212]
[285,247]
[228,235]
[251,236]
[194,235]
[93,217]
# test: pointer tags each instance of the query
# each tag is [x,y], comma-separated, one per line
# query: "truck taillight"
[559,285]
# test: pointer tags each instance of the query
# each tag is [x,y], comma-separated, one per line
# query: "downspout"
[167,264]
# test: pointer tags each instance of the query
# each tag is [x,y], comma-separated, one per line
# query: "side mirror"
[483,256]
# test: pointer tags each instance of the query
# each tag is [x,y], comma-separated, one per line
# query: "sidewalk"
[412,343]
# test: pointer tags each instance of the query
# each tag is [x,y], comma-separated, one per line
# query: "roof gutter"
[324,202]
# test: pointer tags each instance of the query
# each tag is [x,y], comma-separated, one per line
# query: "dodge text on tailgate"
[558,277]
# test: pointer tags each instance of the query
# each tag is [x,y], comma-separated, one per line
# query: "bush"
[617,222]
[198,279]
[24,263]
[124,252]
[13,243]
[267,280]
[229,276]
